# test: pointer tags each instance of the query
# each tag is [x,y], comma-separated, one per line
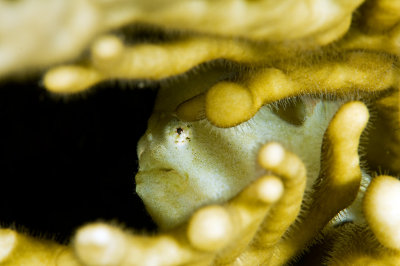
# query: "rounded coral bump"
[229,104]
[100,244]
[382,210]
[106,51]
[210,228]
[70,79]
[271,155]
[270,189]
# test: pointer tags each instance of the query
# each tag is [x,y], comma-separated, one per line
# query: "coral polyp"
[271,122]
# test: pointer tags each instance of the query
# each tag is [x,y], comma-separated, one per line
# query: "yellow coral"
[291,49]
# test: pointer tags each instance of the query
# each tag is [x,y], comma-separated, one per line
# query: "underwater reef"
[274,137]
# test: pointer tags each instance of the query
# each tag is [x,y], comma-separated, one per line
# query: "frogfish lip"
[165,180]
[143,175]
[166,194]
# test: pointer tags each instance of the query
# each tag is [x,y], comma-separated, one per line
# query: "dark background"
[67,161]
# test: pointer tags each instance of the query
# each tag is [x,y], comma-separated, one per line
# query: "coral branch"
[228,104]
[111,59]
[19,249]
[339,181]
[287,165]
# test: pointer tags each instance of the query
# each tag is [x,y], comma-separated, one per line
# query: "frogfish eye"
[179,133]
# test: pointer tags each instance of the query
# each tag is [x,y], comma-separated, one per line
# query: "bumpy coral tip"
[357,114]
[106,50]
[210,228]
[70,79]
[271,155]
[270,189]
[8,239]
[229,104]
[100,244]
[382,210]
[353,119]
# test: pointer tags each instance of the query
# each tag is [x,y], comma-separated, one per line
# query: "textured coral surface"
[273,140]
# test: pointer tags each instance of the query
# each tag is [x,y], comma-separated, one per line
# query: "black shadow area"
[67,162]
